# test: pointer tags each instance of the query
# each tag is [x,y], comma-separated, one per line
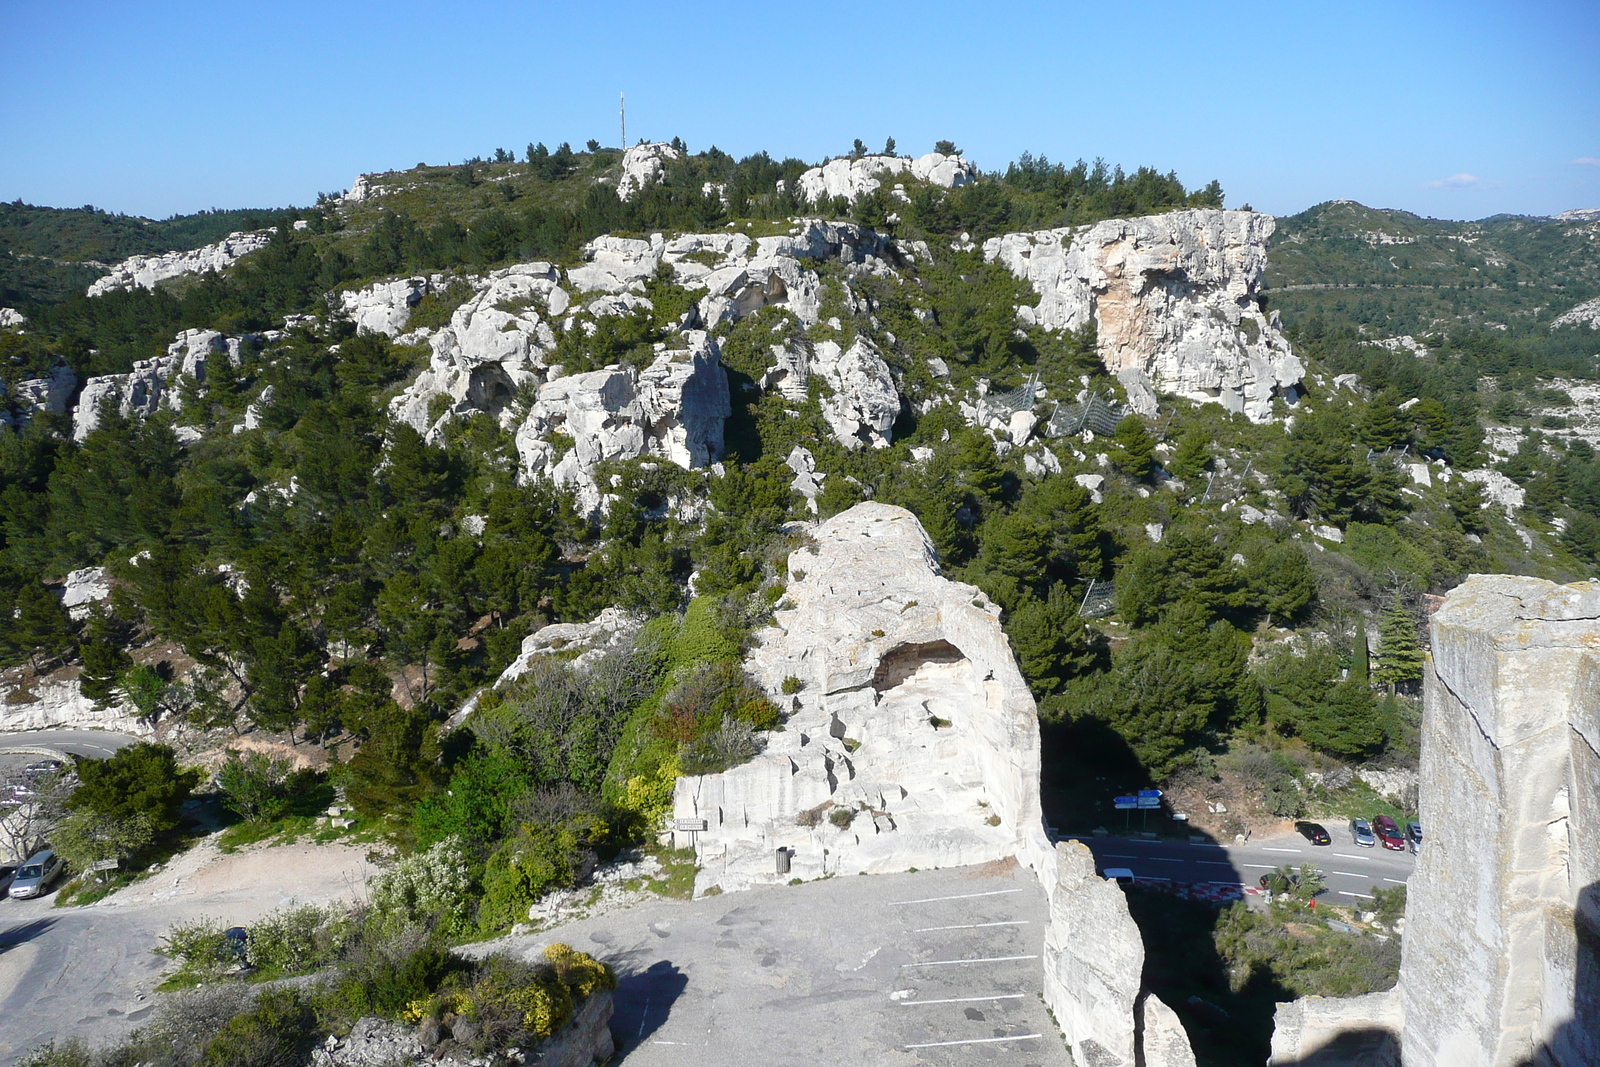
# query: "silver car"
[1361,833]
[35,877]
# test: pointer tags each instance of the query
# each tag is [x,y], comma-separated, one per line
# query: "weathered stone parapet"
[1501,959]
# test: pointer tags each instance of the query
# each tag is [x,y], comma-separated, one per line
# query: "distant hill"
[1391,272]
[46,252]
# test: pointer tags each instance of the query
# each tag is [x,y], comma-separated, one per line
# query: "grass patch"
[1355,800]
[677,874]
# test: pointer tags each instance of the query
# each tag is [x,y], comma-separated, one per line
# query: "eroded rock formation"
[1174,298]
[642,167]
[913,741]
[146,272]
[855,178]
[1501,959]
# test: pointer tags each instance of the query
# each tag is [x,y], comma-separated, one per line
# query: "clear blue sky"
[1453,109]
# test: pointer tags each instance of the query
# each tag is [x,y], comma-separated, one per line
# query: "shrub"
[140,780]
[732,743]
[199,945]
[256,786]
[70,1053]
[430,890]
[277,1032]
[792,685]
[546,853]
[295,940]
[842,817]
[388,973]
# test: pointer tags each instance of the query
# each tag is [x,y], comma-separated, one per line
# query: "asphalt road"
[93,744]
[1351,870]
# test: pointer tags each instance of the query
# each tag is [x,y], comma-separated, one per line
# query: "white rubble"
[496,343]
[1584,314]
[1497,490]
[611,628]
[11,318]
[674,409]
[1175,300]
[855,178]
[1093,972]
[85,588]
[642,166]
[146,272]
[1500,962]
[912,717]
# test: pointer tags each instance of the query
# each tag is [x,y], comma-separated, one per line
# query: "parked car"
[1123,876]
[1389,833]
[1361,833]
[1414,836]
[1314,832]
[35,877]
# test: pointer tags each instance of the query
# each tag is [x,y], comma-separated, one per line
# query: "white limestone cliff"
[1501,958]
[146,272]
[1173,298]
[1337,1031]
[855,178]
[642,166]
[385,307]
[864,402]
[674,408]
[1584,314]
[1093,973]
[912,717]
[153,383]
[49,394]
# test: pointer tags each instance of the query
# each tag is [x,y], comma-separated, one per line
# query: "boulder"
[1175,299]
[807,482]
[1338,1031]
[49,394]
[674,408]
[11,319]
[643,166]
[911,715]
[385,307]
[1500,963]
[84,588]
[864,402]
[146,272]
[1095,483]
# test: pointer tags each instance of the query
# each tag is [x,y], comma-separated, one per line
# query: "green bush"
[198,945]
[296,940]
[277,1032]
[549,851]
[429,890]
[140,780]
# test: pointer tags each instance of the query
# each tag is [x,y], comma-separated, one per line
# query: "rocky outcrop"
[1337,1031]
[608,630]
[1175,301]
[1498,490]
[674,408]
[11,319]
[384,307]
[30,396]
[1093,970]
[1501,958]
[864,401]
[912,742]
[85,588]
[146,272]
[496,343]
[855,178]
[642,166]
[584,1040]
[1584,314]
[55,703]
[136,394]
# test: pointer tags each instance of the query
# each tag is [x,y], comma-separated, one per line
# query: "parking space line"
[958,896]
[1348,856]
[970,926]
[1165,859]
[1347,893]
[1119,856]
[986,959]
[975,1041]
[1349,874]
[1216,863]
[1261,866]
[1264,848]
[1396,881]
[964,1000]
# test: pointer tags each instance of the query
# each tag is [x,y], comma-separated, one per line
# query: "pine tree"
[1400,654]
[1382,425]
[104,661]
[1193,455]
[1360,665]
[1136,449]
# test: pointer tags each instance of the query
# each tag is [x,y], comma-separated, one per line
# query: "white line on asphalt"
[1350,874]
[958,896]
[975,1041]
[1347,893]
[986,959]
[1217,863]
[970,926]
[1348,856]
[1119,856]
[1165,859]
[964,1000]
[1267,849]
[1261,866]
[1396,881]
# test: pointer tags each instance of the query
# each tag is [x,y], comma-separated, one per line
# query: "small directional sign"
[1148,803]
[1149,794]
[1128,803]
[689,825]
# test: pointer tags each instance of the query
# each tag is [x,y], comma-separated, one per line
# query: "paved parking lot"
[930,967]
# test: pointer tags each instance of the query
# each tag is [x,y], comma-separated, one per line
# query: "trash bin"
[783,861]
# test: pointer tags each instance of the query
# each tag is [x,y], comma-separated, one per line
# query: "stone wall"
[1501,959]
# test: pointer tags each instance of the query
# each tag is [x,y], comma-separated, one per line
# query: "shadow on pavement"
[643,1001]
[23,933]
[1085,764]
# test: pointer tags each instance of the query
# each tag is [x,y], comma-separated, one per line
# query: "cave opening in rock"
[902,661]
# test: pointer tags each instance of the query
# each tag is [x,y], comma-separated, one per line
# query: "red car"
[1388,833]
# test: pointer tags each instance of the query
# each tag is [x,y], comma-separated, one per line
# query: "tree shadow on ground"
[1085,764]
[643,1001]
[22,933]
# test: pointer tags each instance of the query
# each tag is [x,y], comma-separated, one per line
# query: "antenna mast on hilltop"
[624,113]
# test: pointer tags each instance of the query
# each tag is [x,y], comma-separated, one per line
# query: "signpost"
[1149,800]
[1125,804]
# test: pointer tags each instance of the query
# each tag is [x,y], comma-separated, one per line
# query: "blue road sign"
[1150,793]
[1149,802]
[1123,800]
[1125,803]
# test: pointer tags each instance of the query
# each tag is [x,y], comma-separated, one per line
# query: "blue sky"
[1457,110]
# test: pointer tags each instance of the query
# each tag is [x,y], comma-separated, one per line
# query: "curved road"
[92,744]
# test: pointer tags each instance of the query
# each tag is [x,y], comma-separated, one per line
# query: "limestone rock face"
[865,402]
[1585,314]
[136,394]
[1501,959]
[384,307]
[674,408]
[1174,298]
[146,272]
[60,704]
[487,352]
[84,588]
[642,167]
[189,355]
[11,318]
[912,719]
[855,178]
[1353,1031]
[591,640]
[1093,970]
[49,394]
